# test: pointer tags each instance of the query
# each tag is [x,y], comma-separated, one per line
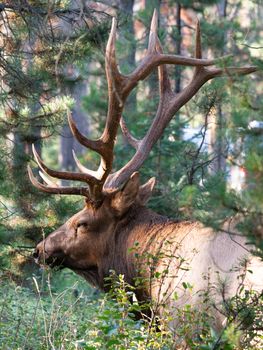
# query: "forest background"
[209,162]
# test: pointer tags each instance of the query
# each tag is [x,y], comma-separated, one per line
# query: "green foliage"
[54,316]
[34,101]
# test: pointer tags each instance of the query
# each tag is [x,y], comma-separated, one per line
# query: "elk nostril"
[36,254]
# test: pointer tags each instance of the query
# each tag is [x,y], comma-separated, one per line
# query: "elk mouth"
[52,261]
[55,262]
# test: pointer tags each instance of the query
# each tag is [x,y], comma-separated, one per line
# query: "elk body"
[115,230]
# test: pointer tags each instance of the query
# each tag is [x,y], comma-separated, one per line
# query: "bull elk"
[102,236]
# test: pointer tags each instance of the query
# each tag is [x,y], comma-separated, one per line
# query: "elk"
[115,219]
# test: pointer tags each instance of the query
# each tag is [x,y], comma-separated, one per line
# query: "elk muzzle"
[43,256]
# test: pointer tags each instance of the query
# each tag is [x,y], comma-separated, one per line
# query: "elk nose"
[36,254]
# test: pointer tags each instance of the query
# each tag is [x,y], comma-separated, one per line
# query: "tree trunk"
[126,9]
[77,89]
[178,43]
[67,142]
[217,142]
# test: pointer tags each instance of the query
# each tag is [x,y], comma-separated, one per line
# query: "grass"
[44,316]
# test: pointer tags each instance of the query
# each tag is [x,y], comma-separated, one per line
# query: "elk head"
[87,237]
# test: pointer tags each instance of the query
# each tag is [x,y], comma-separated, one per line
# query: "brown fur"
[124,236]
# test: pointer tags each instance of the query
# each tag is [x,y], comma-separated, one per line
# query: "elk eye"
[82,224]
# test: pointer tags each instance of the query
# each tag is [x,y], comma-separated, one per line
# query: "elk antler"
[119,88]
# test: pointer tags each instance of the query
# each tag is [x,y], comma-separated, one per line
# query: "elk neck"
[132,236]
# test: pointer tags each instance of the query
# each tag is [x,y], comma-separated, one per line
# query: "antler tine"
[127,135]
[83,191]
[198,50]
[230,71]
[115,82]
[47,180]
[153,32]
[111,62]
[65,175]
[198,43]
[114,79]
[154,46]
[97,174]
[164,81]
[153,38]
[116,100]
[96,145]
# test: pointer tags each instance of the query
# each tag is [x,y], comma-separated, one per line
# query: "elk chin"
[91,275]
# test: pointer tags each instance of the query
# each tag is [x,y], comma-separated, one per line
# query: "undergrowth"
[51,316]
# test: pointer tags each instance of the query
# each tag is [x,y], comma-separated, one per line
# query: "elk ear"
[145,191]
[123,199]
